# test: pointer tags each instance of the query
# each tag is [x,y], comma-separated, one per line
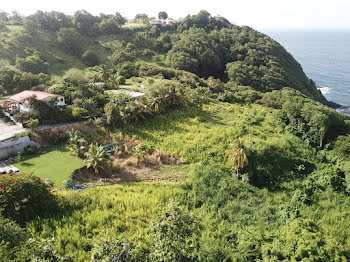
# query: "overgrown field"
[95,215]
[234,220]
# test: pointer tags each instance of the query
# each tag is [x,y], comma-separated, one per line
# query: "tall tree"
[162,15]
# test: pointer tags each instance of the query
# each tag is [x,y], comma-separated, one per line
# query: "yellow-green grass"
[54,162]
[124,210]
[207,132]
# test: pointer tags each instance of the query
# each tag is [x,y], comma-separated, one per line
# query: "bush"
[301,240]
[11,238]
[79,112]
[23,197]
[121,80]
[90,58]
[116,250]
[31,150]
[174,234]
[10,232]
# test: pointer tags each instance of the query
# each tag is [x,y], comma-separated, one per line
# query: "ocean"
[325,58]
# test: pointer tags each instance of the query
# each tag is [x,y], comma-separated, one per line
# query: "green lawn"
[54,162]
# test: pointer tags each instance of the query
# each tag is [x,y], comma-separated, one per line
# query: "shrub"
[33,124]
[116,250]
[174,234]
[31,150]
[121,80]
[78,112]
[10,233]
[89,58]
[23,196]
[301,240]
[11,238]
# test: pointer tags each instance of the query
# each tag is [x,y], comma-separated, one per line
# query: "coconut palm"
[139,153]
[113,82]
[239,155]
[104,73]
[77,144]
[96,157]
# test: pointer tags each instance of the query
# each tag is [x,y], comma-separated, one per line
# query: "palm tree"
[96,157]
[239,155]
[98,121]
[104,73]
[139,153]
[77,144]
[113,82]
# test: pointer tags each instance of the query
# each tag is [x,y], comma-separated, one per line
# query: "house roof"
[131,93]
[24,95]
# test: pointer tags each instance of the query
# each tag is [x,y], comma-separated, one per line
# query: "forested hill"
[52,43]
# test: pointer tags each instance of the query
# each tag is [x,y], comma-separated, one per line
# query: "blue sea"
[324,56]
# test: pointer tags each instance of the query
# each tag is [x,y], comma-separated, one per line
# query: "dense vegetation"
[269,161]
[52,43]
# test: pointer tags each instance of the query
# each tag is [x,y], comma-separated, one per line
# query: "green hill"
[200,44]
[263,164]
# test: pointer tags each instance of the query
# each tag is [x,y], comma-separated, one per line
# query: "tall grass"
[123,211]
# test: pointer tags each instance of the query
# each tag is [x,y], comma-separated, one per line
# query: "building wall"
[61,101]
[13,147]
[24,108]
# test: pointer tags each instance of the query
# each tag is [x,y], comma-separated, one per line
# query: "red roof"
[22,96]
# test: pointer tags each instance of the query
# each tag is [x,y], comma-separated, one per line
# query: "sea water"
[324,56]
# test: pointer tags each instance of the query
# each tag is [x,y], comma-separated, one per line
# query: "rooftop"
[131,93]
[24,95]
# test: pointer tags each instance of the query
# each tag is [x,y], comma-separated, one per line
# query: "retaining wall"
[13,147]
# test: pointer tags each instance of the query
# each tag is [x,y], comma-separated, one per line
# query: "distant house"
[135,95]
[21,100]
[163,22]
[157,22]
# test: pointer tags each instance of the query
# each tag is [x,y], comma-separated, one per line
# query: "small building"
[20,101]
[157,22]
[162,22]
[135,95]
[101,84]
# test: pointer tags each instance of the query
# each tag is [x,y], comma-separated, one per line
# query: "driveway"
[9,130]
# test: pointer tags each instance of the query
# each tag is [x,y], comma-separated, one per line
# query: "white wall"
[13,147]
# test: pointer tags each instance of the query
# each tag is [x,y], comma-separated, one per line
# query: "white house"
[163,22]
[157,22]
[21,100]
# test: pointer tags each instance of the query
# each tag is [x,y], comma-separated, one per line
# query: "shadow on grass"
[170,123]
[26,164]
[45,150]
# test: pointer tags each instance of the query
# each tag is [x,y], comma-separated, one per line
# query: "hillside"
[201,44]
[229,154]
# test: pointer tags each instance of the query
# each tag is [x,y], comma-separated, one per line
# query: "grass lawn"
[54,162]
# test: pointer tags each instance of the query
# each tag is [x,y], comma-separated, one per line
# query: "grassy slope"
[201,135]
[54,162]
[44,41]
[205,134]
[120,210]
